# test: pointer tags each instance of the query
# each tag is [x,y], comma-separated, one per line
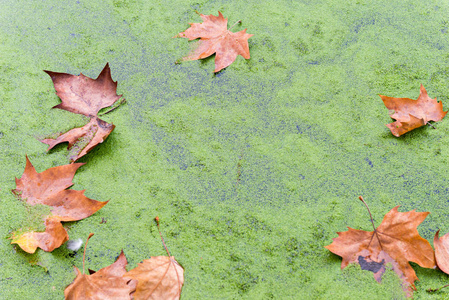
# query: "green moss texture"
[252,170]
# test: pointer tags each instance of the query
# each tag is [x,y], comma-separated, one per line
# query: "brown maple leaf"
[107,283]
[160,277]
[216,38]
[83,95]
[410,114]
[395,241]
[50,188]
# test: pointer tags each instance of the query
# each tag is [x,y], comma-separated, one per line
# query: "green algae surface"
[253,170]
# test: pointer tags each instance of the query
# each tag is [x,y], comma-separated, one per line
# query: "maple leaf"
[395,241]
[410,114]
[50,188]
[216,38]
[107,283]
[83,95]
[160,277]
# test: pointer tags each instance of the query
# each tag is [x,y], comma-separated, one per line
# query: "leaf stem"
[115,107]
[163,242]
[239,21]
[372,221]
[430,125]
[85,246]
[436,290]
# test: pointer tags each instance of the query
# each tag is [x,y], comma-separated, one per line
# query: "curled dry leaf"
[49,188]
[86,96]
[410,114]
[395,241]
[216,38]
[82,140]
[160,277]
[107,283]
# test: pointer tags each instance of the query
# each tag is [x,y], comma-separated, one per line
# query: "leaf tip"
[436,237]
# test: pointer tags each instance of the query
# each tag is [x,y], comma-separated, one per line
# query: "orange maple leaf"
[410,114]
[216,38]
[83,95]
[50,188]
[160,277]
[395,241]
[106,283]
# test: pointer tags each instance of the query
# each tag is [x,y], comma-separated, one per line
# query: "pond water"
[252,170]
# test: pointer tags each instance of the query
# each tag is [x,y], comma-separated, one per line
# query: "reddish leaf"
[82,140]
[410,114]
[107,283]
[216,38]
[84,95]
[160,277]
[49,188]
[395,241]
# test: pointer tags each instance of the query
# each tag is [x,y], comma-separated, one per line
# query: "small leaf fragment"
[54,236]
[442,251]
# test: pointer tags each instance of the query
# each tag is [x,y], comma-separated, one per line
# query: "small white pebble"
[74,245]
